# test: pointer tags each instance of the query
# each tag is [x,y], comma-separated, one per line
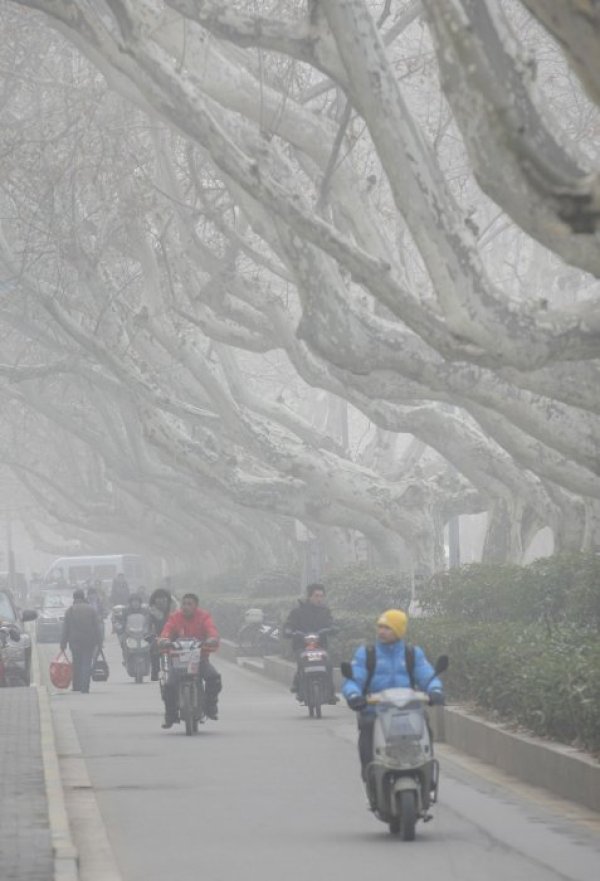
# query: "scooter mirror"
[346,668]
[442,664]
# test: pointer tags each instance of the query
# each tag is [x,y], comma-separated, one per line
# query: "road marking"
[64,850]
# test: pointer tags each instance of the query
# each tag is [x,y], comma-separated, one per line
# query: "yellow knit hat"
[396,620]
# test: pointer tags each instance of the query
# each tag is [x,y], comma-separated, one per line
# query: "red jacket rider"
[199,625]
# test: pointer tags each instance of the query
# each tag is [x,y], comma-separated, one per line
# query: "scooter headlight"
[132,643]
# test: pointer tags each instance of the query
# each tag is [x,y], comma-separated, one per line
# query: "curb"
[66,859]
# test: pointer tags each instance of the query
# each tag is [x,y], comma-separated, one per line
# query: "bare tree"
[287,193]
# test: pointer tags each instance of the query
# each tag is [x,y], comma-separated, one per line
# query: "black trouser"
[83,656]
[213,685]
[154,661]
[366,724]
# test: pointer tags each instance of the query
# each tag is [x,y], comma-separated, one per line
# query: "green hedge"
[551,591]
[549,684]
[362,589]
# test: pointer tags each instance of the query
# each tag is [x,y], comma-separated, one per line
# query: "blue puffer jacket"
[390,670]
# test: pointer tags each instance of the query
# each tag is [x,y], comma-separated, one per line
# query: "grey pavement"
[266,793]
[25,841]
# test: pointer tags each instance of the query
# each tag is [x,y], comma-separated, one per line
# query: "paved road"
[267,794]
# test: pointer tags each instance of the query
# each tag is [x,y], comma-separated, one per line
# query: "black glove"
[357,702]
[436,699]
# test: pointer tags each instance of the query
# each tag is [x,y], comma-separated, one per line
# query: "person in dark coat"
[311,615]
[119,593]
[83,634]
[160,607]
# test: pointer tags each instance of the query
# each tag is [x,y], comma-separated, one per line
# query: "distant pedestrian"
[82,632]
[119,594]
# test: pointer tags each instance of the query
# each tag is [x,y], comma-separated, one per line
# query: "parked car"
[16,655]
[48,627]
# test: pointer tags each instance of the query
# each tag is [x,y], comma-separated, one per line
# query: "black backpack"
[409,655]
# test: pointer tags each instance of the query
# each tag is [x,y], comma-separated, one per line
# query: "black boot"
[212,711]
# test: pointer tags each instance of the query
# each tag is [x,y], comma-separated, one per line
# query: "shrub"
[364,590]
[550,684]
[552,591]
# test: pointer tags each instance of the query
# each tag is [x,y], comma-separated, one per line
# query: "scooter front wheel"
[188,708]
[313,698]
[405,822]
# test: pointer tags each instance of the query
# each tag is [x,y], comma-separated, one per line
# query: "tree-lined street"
[308,262]
[267,793]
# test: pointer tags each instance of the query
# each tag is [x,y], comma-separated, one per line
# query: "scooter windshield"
[402,724]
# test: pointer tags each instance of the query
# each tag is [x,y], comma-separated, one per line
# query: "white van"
[77,570]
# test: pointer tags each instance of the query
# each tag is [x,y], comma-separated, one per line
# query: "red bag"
[61,671]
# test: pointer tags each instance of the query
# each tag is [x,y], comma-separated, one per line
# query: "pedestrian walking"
[82,632]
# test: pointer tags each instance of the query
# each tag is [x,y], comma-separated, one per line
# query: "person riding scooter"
[390,663]
[160,606]
[192,622]
[311,615]
[133,607]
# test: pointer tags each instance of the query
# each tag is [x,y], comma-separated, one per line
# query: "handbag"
[100,668]
[61,671]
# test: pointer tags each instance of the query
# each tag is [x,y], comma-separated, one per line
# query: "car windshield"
[56,601]
[7,613]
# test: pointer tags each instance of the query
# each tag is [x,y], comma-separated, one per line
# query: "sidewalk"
[26,852]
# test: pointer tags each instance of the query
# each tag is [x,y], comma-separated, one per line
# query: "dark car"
[48,627]
[16,654]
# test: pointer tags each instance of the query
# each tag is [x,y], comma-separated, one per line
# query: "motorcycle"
[180,661]
[314,674]
[257,637]
[402,780]
[136,651]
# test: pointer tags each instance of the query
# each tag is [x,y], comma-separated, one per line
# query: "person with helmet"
[390,663]
[188,622]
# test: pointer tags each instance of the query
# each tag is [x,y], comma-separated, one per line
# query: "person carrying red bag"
[82,632]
